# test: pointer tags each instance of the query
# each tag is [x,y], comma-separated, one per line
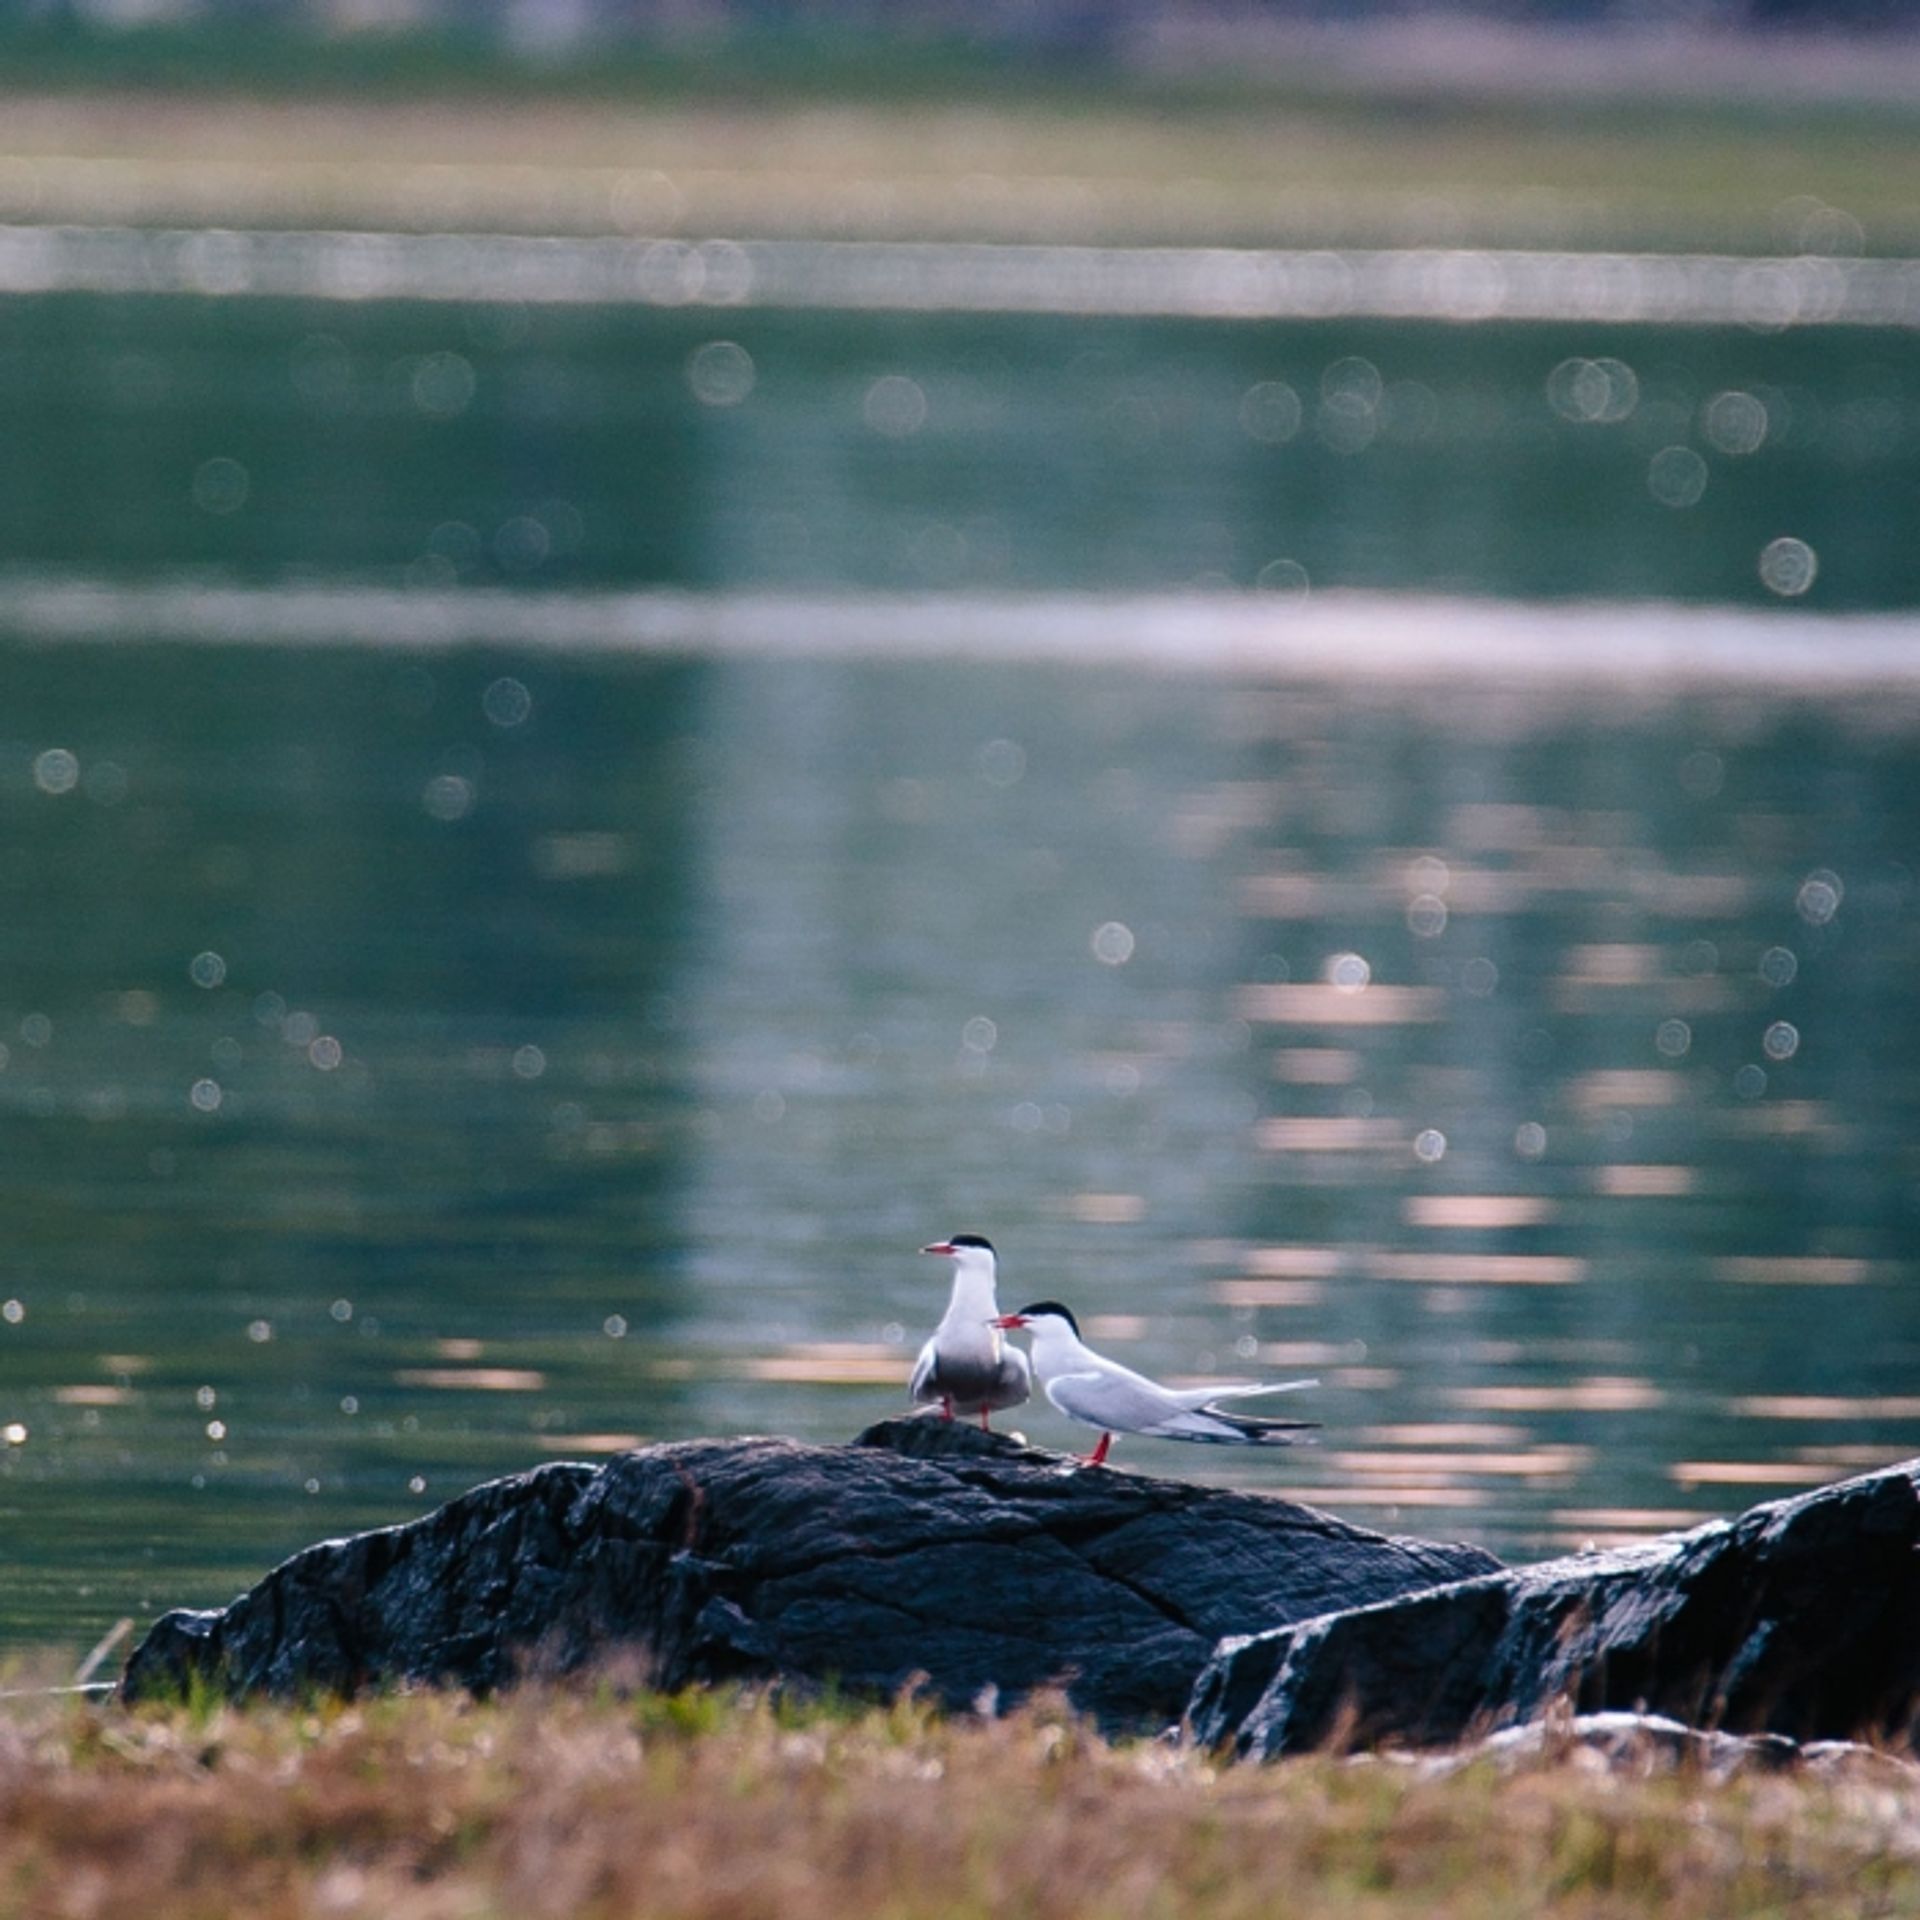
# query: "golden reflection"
[591,1442]
[126,1363]
[1484,890]
[1268,1293]
[1295,1262]
[826,1363]
[1613,964]
[1505,827]
[1108,1209]
[1309,896]
[1826,1406]
[1785,1119]
[475,1379]
[1531,1463]
[92,1396]
[1328,1133]
[1326,1005]
[1592,1093]
[1476,1210]
[1303,1353]
[1689,896]
[457,1349]
[1397,1495]
[1704,993]
[1849,1456]
[1559,1353]
[1442,1433]
[1316,1066]
[1644,1520]
[1695,994]
[1497,1353]
[1812,1270]
[1645,1182]
[1117,1326]
[1477,1269]
[1604,1393]
[1749,1473]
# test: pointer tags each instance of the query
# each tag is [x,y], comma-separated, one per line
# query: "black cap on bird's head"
[1035,1311]
[960,1242]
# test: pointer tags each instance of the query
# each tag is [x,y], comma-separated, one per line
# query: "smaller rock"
[1795,1619]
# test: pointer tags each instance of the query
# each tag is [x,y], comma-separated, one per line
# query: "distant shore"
[1424,136]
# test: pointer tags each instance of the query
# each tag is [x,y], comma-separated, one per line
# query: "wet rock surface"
[923,1549]
[1797,1619]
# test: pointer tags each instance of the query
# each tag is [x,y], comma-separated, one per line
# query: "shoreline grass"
[710,1804]
[842,138]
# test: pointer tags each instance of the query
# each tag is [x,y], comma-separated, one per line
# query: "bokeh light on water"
[1533,1066]
[436,444]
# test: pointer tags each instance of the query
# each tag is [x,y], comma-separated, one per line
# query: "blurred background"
[649,654]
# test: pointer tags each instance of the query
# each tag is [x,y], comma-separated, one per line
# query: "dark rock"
[923,1549]
[1797,1618]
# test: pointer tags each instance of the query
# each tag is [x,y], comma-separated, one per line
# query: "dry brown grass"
[429,1806]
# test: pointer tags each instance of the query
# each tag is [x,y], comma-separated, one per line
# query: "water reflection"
[1568,444]
[287,1209]
[734,980]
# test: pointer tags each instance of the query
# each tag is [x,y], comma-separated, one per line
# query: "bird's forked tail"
[1265,1433]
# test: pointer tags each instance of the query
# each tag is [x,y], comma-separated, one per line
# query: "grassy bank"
[706,1806]
[764,137]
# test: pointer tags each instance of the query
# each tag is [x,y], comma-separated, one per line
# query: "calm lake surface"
[416,1064]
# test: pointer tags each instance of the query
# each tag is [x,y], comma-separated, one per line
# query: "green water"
[537,446]
[753,920]
[421,1065]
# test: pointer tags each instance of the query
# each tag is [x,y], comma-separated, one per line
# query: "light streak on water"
[1826,1406]
[1477,1269]
[474,1379]
[910,276]
[572,1444]
[1332,637]
[1599,1395]
[1751,1473]
[1476,1212]
[1789,1270]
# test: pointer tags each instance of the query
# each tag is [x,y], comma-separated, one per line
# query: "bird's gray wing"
[1120,1402]
[1206,1396]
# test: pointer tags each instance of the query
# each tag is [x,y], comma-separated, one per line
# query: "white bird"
[1098,1392]
[967,1367]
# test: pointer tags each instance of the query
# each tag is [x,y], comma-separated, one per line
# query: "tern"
[1101,1393]
[966,1367]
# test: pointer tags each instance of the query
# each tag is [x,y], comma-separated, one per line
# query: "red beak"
[1009,1320]
[939,1246]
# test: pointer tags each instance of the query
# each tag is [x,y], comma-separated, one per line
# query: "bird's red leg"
[986,1425]
[946,1407]
[1098,1456]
